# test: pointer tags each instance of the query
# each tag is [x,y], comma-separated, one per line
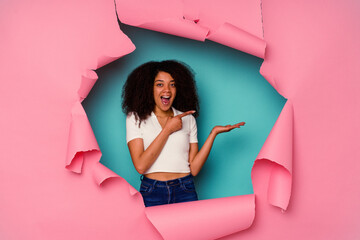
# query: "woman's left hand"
[220,129]
[198,158]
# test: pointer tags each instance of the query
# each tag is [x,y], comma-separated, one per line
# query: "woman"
[161,104]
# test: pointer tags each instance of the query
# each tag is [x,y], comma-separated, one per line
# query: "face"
[164,91]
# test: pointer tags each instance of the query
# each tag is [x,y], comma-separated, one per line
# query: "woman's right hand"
[174,124]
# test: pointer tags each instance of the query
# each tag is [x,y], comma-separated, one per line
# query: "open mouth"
[165,100]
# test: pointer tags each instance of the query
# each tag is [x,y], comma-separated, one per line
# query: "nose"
[166,87]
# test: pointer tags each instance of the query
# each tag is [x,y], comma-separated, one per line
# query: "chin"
[165,109]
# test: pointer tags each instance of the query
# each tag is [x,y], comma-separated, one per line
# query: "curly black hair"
[138,96]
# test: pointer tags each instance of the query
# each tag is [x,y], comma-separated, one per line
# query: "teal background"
[230,89]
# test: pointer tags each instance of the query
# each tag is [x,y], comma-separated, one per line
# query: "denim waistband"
[171,182]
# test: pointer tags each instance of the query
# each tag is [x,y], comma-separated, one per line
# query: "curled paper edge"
[81,136]
[279,144]
[279,188]
[170,22]
[278,149]
[184,24]
[202,218]
[265,72]
[81,139]
[234,37]
[113,53]
[88,79]
[102,173]
[178,27]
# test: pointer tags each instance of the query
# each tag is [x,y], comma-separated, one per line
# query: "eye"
[172,84]
[159,84]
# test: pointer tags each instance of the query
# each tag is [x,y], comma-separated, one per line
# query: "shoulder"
[133,119]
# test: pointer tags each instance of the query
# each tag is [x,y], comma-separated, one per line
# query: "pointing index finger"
[185,114]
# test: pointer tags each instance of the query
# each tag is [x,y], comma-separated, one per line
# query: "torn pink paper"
[81,136]
[206,219]
[81,139]
[102,173]
[242,14]
[46,48]
[150,15]
[278,148]
[88,79]
[200,20]
[231,36]
[233,23]
[178,27]
[279,144]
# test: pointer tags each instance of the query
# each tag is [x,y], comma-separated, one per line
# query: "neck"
[160,113]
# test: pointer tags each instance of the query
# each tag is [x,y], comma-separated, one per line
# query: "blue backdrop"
[230,89]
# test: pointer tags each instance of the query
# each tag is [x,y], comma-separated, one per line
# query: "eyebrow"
[164,81]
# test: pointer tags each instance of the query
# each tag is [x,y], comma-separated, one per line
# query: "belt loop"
[180,181]
[141,177]
[154,183]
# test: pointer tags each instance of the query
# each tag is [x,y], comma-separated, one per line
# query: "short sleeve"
[193,130]
[132,128]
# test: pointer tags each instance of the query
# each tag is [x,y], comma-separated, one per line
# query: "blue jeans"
[178,190]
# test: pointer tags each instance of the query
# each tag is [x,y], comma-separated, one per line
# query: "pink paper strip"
[205,219]
[236,38]
[200,20]
[278,148]
[88,79]
[150,16]
[102,173]
[81,139]
[178,27]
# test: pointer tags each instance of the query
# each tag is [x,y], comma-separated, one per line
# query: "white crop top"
[174,157]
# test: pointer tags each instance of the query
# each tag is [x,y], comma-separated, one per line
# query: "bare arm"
[143,159]
[198,158]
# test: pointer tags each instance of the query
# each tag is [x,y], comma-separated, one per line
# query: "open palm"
[227,128]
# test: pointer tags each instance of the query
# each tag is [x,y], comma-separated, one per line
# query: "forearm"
[200,158]
[146,158]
